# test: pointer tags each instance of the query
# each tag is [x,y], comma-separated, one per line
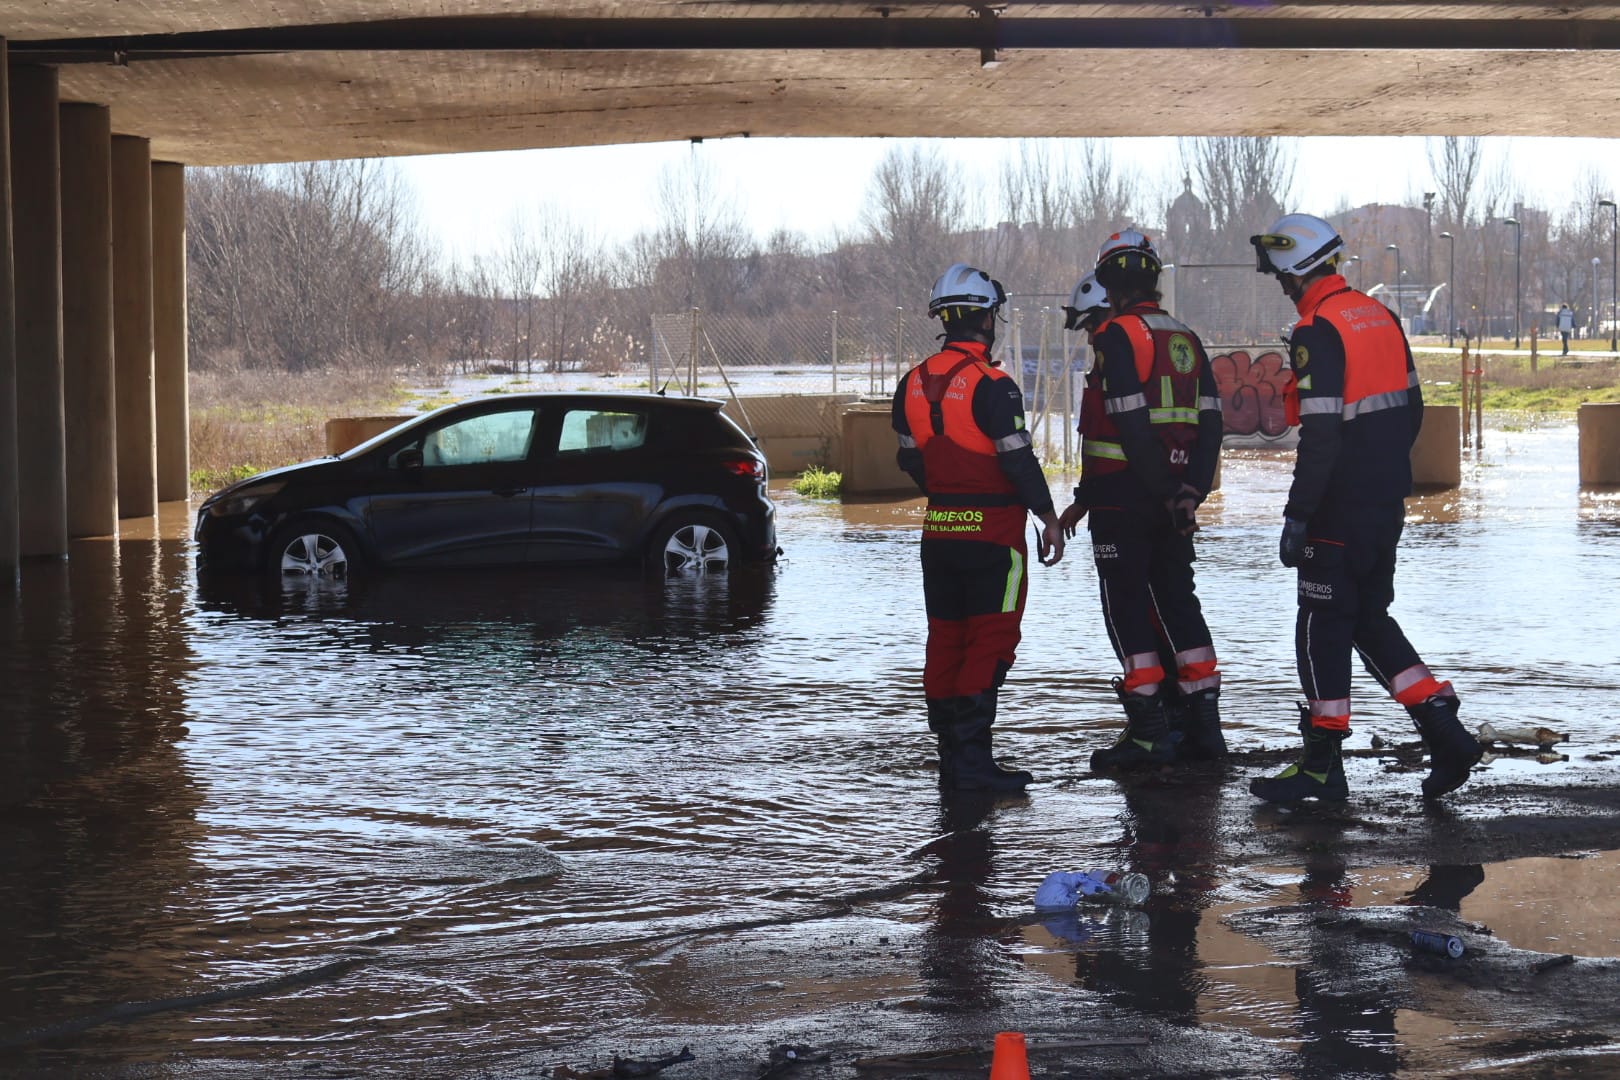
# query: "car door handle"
[507,493]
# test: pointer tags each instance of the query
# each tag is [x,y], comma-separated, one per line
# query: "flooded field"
[499,824]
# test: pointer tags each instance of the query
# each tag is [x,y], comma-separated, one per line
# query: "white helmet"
[1127,258]
[1296,244]
[1088,302]
[967,288]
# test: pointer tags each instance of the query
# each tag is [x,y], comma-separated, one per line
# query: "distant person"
[1359,406]
[1566,325]
[963,439]
[1150,437]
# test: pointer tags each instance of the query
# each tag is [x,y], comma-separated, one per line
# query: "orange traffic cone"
[1010,1061]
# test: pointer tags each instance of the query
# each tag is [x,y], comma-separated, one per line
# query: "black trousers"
[1145,575]
[1346,584]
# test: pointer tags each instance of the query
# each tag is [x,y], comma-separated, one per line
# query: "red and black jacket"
[1360,405]
[1150,419]
[964,440]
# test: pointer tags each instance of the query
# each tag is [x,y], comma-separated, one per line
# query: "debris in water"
[785,1056]
[624,1067]
[1523,734]
[1439,944]
[1553,962]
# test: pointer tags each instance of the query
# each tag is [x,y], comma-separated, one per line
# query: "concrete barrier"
[1437,454]
[794,431]
[1599,427]
[867,459]
[346,432]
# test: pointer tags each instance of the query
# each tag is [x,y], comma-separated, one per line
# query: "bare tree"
[1455,162]
[1244,182]
[916,209]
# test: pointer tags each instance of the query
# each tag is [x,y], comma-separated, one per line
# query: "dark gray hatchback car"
[510,480]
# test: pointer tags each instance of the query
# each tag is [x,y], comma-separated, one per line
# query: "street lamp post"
[1428,239]
[1614,268]
[1451,288]
[1596,262]
[1400,308]
[1518,282]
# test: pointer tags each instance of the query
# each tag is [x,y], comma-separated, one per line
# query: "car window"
[480,440]
[598,430]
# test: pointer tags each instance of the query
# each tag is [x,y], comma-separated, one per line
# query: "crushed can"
[1440,944]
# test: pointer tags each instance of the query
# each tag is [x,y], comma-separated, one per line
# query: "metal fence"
[726,356]
[696,353]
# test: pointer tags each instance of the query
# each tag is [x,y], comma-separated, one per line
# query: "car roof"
[617,397]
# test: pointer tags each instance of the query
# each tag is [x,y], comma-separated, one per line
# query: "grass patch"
[818,483]
[243,422]
[1510,386]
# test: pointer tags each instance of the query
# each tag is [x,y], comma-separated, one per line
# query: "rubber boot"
[973,766]
[1318,774]
[1201,725]
[940,711]
[1452,751]
[1147,741]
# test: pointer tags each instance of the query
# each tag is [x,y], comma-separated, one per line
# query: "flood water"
[478,825]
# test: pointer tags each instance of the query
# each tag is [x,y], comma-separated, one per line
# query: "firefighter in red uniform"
[1150,427]
[960,421]
[1359,407]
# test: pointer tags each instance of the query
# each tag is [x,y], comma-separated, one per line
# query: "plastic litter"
[1440,944]
[1065,888]
[1523,734]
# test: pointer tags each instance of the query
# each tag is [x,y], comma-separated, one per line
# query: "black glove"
[1291,549]
[1183,507]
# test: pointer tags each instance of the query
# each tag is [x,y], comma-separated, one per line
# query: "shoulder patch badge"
[1302,357]
[1182,357]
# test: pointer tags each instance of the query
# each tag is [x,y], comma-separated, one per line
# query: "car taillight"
[745,466]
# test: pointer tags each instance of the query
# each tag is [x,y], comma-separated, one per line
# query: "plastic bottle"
[1109,887]
[1440,944]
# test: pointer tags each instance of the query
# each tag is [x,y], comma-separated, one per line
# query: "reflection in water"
[1169,836]
[515,799]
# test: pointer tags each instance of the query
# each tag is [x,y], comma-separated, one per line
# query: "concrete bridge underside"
[108,100]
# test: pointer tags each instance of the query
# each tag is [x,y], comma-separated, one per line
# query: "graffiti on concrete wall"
[1252,391]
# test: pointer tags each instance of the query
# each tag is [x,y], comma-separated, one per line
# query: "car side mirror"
[409,459]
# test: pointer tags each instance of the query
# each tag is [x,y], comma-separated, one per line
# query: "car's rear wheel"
[692,544]
[312,549]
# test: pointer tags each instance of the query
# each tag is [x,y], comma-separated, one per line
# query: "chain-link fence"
[729,356]
[1228,303]
[1241,316]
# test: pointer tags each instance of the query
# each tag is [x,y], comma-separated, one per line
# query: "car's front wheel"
[313,549]
[692,544]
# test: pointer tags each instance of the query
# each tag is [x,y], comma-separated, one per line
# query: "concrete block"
[794,431]
[347,432]
[1599,427]
[868,453]
[1437,454]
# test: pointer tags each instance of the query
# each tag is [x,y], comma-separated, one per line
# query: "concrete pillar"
[87,304]
[1599,425]
[10,551]
[135,405]
[169,331]
[37,249]
[1437,454]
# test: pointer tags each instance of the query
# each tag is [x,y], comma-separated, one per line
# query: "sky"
[816,186]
